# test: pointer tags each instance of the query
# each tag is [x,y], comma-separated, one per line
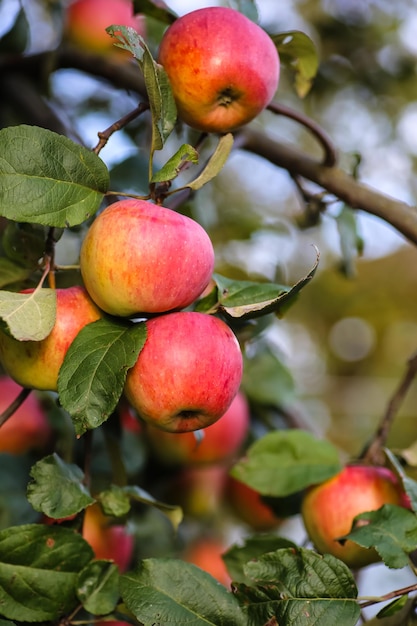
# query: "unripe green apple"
[248,506]
[223,68]
[328,509]
[36,364]
[138,257]
[219,442]
[187,373]
[86,22]
[28,428]
[108,541]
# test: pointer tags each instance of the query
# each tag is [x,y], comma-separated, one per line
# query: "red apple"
[199,490]
[86,22]
[36,364]
[138,257]
[187,373]
[108,541]
[219,442]
[28,428]
[206,554]
[328,509]
[223,68]
[248,505]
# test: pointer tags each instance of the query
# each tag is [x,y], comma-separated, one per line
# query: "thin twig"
[388,596]
[12,408]
[105,135]
[374,451]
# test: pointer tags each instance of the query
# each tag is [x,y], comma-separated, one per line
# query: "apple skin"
[220,442]
[160,260]
[28,428]
[86,22]
[199,490]
[328,509]
[206,552]
[112,542]
[248,506]
[36,364]
[223,68]
[187,373]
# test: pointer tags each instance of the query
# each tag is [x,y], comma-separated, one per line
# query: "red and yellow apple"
[108,541]
[138,257]
[187,373]
[36,364]
[223,68]
[86,22]
[199,491]
[249,507]
[28,428]
[219,442]
[206,553]
[328,509]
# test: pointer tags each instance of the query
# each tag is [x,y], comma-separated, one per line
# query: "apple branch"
[12,408]
[105,135]
[388,596]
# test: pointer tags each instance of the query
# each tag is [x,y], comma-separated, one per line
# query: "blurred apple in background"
[187,373]
[108,541]
[221,441]
[249,507]
[328,509]
[199,491]
[28,428]
[86,22]
[223,68]
[205,552]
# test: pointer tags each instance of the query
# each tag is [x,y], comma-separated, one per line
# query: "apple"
[219,442]
[36,364]
[108,541]
[28,428]
[223,68]
[187,373]
[138,257]
[198,490]
[248,506]
[86,22]
[328,509]
[206,553]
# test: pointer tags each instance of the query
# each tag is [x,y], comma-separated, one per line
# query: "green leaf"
[215,163]
[46,178]
[171,169]
[299,587]
[28,316]
[170,591]
[298,51]
[172,512]
[254,547]
[11,272]
[284,462]
[410,485]
[247,7]
[391,530]
[98,587]
[24,243]
[114,501]
[39,566]
[57,489]
[266,379]
[351,242]
[159,10]
[394,607]
[93,373]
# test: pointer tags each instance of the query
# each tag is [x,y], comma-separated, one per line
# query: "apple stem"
[12,408]
[373,452]
[105,135]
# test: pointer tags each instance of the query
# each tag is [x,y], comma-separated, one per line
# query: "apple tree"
[163,458]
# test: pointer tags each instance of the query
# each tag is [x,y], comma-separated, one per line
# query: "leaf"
[158,10]
[298,51]
[170,591]
[299,587]
[57,489]
[28,316]
[248,300]
[266,379]
[11,272]
[98,587]
[215,163]
[393,609]
[171,169]
[410,485]
[284,462]
[172,512]
[391,530]
[93,373]
[254,547]
[46,178]
[247,7]
[39,566]
[351,242]
[114,501]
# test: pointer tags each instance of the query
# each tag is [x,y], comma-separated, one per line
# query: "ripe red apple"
[223,68]
[219,442]
[108,541]
[138,257]
[248,506]
[36,364]
[187,373]
[328,509]
[28,428]
[86,22]
[206,552]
